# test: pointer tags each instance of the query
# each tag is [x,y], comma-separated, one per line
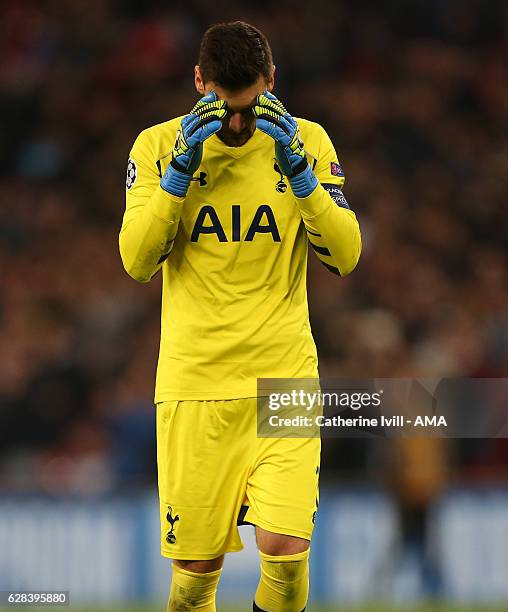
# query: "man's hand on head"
[273,119]
[204,120]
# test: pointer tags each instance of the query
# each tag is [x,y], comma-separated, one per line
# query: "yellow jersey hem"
[167,396]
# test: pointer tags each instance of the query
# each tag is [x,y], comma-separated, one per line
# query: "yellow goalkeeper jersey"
[233,255]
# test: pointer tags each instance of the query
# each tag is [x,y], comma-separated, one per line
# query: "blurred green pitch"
[246,607]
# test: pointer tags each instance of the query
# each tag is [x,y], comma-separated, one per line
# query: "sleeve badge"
[335,169]
[132,173]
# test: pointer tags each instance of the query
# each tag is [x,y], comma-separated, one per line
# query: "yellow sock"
[284,584]
[192,591]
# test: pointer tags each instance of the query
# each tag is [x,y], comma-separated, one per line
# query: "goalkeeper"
[225,201]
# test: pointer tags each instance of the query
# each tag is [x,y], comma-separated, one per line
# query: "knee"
[201,566]
[277,544]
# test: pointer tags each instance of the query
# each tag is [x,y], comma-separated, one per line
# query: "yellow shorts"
[215,474]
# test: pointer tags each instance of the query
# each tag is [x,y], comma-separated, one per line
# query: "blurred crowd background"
[415,98]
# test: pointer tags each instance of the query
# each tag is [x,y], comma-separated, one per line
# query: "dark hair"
[234,55]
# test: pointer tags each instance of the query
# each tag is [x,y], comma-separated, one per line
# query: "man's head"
[235,61]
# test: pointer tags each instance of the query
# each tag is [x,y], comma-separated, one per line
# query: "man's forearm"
[147,234]
[332,230]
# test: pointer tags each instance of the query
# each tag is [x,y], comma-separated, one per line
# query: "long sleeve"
[333,231]
[151,217]
[332,228]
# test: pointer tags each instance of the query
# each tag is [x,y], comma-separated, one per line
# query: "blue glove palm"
[273,119]
[203,121]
